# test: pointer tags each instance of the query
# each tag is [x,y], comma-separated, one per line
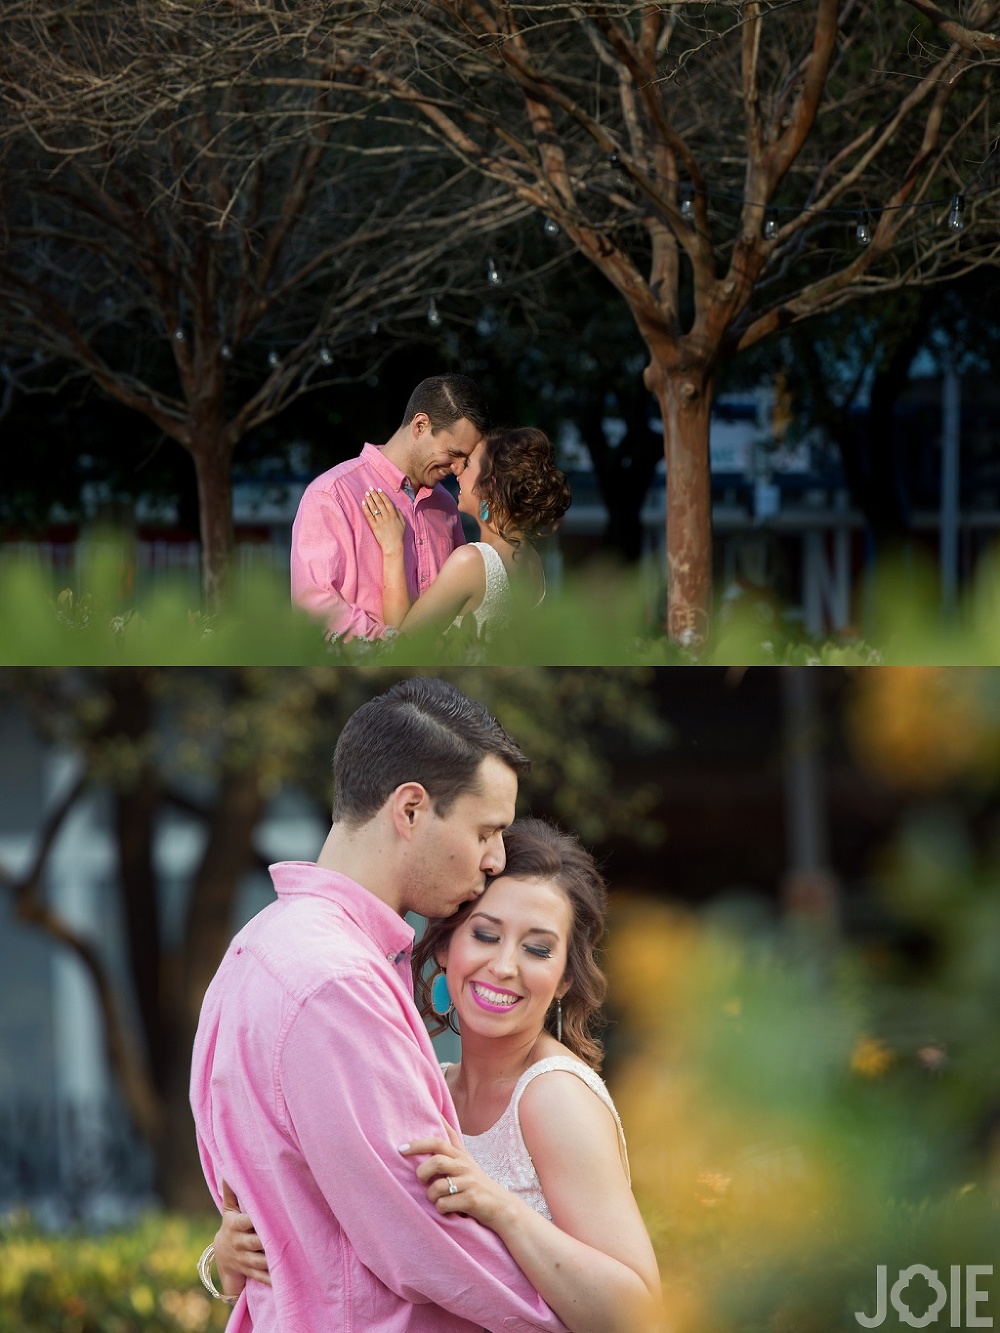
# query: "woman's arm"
[458,589]
[389,528]
[593,1264]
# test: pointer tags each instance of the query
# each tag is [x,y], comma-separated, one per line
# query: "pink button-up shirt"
[336,562]
[311,1065]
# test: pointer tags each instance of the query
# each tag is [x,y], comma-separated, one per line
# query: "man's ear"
[409,803]
[419,423]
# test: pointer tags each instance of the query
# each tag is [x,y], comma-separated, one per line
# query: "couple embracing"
[380,1190]
[378,545]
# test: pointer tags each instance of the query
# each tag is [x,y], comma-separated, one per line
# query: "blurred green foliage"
[144,1278]
[797,1115]
[604,614]
[810,1095]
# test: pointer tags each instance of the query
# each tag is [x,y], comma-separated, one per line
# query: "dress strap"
[568,1065]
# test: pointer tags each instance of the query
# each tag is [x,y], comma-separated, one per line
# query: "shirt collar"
[389,932]
[372,453]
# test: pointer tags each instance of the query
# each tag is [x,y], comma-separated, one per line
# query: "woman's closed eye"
[539,950]
[484,938]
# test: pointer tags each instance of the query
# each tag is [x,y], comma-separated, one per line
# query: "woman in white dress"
[513,489]
[542,1160]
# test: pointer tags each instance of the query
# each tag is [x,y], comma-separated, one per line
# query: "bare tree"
[203,232]
[732,169]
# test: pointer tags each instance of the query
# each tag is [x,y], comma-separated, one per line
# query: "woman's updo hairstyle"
[525,491]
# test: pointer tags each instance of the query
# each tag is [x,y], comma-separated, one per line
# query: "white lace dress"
[493,612]
[501,1151]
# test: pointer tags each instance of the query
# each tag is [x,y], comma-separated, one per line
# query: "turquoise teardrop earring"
[441,1001]
[484,512]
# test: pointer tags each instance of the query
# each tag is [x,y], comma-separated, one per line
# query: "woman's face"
[506,962]
[468,481]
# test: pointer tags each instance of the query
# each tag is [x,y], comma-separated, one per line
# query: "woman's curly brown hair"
[519,481]
[538,850]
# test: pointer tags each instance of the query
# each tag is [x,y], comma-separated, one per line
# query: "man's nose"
[496,855]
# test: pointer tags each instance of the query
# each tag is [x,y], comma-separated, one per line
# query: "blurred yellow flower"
[871,1057]
[143,1301]
[922,727]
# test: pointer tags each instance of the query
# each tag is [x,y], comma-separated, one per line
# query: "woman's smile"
[490,997]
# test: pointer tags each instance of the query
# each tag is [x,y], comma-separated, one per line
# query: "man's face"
[436,453]
[451,855]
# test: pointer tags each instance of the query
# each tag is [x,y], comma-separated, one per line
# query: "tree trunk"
[685,400]
[136,803]
[213,460]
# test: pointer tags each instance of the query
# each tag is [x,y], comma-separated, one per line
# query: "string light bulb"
[433,314]
[956,217]
[863,229]
[687,203]
[492,274]
[226,351]
[550,228]
[373,327]
[273,359]
[770,225]
[325,355]
[178,334]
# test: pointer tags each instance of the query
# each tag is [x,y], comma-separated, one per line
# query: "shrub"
[119,1282]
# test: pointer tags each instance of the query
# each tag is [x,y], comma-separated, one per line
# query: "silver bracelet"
[204,1272]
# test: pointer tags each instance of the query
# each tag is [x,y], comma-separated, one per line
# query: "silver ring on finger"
[452,1187]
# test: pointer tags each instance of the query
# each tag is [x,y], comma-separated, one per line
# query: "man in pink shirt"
[336,562]
[311,1064]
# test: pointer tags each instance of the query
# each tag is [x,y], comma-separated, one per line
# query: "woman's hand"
[239,1253]
[474,1193]
[385,521]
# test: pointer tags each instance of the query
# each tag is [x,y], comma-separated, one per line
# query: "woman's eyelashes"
[536,950]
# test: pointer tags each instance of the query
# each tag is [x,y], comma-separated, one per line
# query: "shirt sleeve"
[356,1083]
[321,539]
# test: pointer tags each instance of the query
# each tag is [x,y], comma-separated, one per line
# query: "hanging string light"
[863,219]
[178,334]
[325,355]
[492,274]
[433,314]
[550,228]
[373,328]
[273,359]
[226,351]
